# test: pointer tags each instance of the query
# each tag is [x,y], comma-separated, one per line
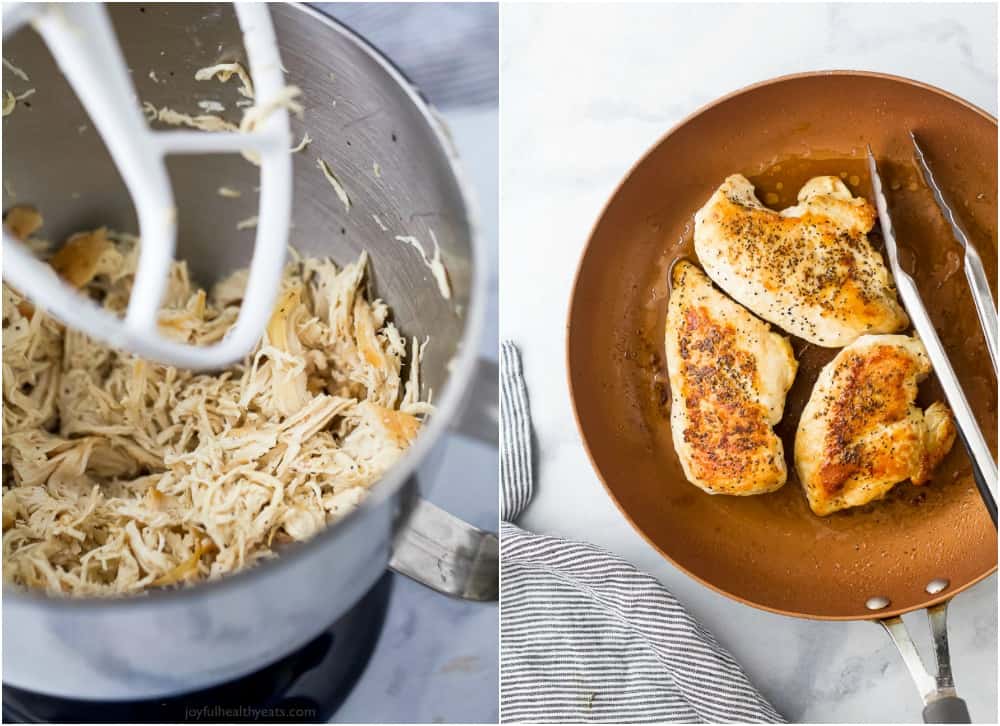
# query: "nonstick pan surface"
[770,551]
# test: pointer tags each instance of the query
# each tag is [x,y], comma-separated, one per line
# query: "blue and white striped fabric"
[584,636]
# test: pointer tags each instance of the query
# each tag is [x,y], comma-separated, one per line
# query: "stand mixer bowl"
[396,163]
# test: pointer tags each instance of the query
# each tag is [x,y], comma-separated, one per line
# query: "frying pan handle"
[950,709]
[941,703]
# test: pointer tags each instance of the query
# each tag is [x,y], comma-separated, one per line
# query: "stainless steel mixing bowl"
[399,168]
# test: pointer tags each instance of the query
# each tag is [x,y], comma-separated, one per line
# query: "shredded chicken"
[210,106]
[254,114]
[22,222]
[225,71]
[16,71]
[120,474]
[10,100]
[306,140]
[433,264]
[338,187]
[203,122]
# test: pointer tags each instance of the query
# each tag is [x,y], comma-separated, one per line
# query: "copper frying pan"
[770,551]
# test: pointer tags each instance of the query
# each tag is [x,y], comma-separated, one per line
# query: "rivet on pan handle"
[941,703]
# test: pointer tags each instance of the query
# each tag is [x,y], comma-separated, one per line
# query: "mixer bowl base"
[306,686]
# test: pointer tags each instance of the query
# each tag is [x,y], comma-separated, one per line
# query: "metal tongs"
[984,468]
[974,272]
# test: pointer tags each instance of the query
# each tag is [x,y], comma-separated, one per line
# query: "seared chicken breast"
[728,378]
[809,269]
[861,433]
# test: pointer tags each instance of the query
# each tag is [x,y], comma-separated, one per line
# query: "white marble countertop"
[585,90]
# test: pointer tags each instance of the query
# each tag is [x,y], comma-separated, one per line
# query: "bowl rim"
[875,615]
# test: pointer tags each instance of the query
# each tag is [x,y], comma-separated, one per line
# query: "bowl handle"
[439,550]
[941,702]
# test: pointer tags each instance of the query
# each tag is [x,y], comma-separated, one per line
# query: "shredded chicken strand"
[225,71]
[10,100]
[16,71]
[335,182]
[120,474]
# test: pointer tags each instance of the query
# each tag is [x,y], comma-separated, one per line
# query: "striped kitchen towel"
[584,636]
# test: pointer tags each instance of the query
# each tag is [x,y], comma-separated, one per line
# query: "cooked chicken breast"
[809,269]
[728,378]
[861,433]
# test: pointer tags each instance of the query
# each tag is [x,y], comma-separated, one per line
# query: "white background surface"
[585,90]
